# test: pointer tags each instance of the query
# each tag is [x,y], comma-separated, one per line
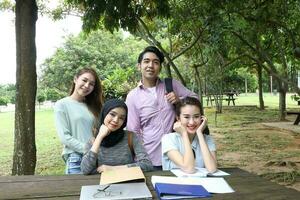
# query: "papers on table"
[212,185]
[201,172]
[116,191]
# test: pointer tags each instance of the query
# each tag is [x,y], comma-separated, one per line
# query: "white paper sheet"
[212,185]
[201,172]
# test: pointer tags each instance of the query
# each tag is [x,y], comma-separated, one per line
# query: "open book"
[201,172]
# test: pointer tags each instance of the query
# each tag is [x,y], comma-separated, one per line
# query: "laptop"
[115,191]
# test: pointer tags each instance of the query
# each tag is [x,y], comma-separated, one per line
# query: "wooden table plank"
[245,184]
[22,187]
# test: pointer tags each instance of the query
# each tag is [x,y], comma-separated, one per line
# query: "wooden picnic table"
[230,97]
[245,184]
[297,120]
[227,96]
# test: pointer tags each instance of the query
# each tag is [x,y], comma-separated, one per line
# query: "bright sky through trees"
[49,36]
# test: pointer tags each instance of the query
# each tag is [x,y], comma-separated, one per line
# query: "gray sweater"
[74,124]
[119,154]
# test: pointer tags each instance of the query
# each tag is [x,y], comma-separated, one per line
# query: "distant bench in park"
[295,113]
[228,99]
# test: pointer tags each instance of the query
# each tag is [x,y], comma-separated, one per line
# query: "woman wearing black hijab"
[110,148]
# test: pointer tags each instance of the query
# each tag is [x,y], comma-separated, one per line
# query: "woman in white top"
[191,145]
[75,116]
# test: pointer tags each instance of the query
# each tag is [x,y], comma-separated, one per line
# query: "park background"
[212,47]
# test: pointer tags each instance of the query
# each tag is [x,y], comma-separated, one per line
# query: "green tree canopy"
[115,14]
[114,56]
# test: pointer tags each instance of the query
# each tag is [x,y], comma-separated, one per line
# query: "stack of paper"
[200,172]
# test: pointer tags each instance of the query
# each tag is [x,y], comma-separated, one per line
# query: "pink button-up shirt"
[152,117]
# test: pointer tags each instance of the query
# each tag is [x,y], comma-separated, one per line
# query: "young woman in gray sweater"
[110,149]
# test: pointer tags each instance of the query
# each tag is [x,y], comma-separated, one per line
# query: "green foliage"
[7,5]
[101,50]
[242,75]
[119,83]
[119,14]
[53,94]
[40,97]
[3,101]
[7,93]
[50,94]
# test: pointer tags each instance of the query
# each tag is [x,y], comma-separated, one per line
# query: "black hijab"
[116,136]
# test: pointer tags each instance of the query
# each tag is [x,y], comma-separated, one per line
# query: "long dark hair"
[94,100]
[193,102]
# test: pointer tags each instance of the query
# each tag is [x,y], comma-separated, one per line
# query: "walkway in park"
[287,125]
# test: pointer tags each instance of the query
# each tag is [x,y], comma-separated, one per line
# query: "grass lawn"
[270,100]
[242,141]
[47,143]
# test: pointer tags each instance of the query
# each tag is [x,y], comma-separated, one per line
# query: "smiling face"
[84,85]
[149,67]
[190,118]
[115,118]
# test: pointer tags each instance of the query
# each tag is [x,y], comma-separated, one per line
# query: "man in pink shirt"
[151,112]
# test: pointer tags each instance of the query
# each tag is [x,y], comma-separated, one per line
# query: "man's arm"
[133,119]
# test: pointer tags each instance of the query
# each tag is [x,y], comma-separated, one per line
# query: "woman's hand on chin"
[202,125]
[104,131]
[179,128]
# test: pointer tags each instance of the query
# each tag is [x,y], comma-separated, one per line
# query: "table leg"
[297,120]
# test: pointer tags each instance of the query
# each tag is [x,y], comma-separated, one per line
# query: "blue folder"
[179,191]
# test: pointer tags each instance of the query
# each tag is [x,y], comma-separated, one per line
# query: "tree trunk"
[199,87]
[260,88]
[282,89]
[24,158]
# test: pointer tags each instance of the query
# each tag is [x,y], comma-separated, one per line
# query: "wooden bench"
[295,113]
[229,99]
